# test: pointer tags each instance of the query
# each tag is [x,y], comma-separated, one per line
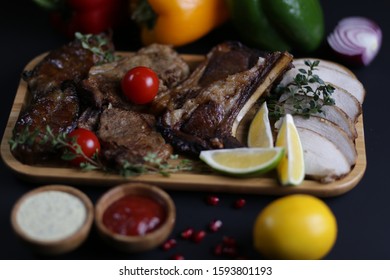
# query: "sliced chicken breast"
[338,79]
[324,161]
[330,113]
[300,62]
[343,100]
[332,132]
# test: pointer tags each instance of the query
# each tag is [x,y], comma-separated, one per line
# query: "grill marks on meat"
[103,83]
[54,102]
[128,136]
[203,112]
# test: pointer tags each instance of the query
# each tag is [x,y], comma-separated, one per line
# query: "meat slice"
[336,78]
[329,112]
[344,100]
[324,161]
[128,136]
[70,62]
[332,132]
[204,111]
[300,63]
[103,83]
[58,110]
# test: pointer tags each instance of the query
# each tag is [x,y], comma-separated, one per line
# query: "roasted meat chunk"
[129,136]
[204,111]
[103,83]
[58,110]
[70,62]
[53,86]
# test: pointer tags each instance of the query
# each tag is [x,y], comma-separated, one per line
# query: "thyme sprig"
[305,84]
[25,137]
[155,165]
[71,149]
[99,45]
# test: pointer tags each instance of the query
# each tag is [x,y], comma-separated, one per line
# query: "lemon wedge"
[291,169]
[243,161]
[260,133]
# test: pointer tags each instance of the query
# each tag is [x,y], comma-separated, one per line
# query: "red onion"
[356,39]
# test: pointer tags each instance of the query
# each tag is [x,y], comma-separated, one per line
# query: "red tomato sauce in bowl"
[134,215]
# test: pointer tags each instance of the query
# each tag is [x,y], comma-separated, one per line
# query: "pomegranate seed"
[215,225]
[177,257]
[187,233]
[239,203]
[218,249]
[169,244]
[229,241]
[198,236]
[212,200]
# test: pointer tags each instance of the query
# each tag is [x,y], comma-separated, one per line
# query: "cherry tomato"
[88,142]
[140,85]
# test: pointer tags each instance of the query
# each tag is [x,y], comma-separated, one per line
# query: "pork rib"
[204,111]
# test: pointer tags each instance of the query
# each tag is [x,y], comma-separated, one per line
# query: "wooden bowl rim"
[82,232]
[135,188]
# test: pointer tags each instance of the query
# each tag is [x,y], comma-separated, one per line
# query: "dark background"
[362,213]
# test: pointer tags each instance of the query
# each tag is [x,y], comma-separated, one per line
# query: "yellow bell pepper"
[179,22]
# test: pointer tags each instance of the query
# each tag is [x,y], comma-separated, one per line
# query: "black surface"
[362,213]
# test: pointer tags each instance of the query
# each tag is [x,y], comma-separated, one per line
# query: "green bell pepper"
[279,24]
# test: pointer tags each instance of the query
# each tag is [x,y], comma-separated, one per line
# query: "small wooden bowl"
[136,243]
[60,245]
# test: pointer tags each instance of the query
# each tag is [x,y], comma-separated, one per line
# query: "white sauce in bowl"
[51,215]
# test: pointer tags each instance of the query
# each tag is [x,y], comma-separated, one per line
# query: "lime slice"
[243,161]
[260,133]
[291,169]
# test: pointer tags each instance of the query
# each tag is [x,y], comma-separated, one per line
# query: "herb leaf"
[99,45]
[305,83]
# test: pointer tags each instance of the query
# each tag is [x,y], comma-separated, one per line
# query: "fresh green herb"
[155,165]
[304,84]
[25,137]
[70,149]
[98,44]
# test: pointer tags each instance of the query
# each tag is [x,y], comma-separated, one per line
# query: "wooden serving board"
[189,181]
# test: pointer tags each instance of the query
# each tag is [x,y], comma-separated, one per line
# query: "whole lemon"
[296,227]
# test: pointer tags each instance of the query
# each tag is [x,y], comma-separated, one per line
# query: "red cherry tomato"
[88,142]
[140,85]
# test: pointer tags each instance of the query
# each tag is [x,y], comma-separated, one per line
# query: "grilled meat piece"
[89,119]
[57,109]
[54,101]
[103,83]
[70,62]
[128,136]
[204,111]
